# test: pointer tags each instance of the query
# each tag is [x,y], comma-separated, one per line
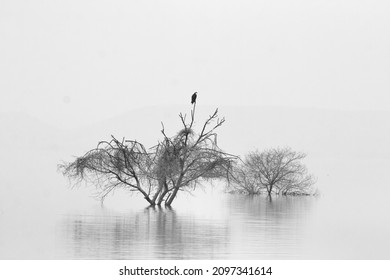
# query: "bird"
[193,98]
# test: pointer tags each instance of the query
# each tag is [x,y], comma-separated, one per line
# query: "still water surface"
[235,227]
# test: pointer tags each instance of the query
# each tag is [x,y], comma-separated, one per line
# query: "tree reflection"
[153,233]
[270,228]
[242,228]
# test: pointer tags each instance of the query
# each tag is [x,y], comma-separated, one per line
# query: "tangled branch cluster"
[158,173]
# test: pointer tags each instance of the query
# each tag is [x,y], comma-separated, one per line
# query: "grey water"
[42,218]
[238,228]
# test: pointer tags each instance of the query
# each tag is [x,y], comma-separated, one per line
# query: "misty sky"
[74,62]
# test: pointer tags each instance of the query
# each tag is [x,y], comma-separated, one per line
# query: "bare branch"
[275,171]
[158,173]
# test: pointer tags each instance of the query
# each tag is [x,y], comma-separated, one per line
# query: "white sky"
[79,61]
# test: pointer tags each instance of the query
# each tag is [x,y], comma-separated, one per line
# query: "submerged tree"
[278,171]
[243,181]
[159,173]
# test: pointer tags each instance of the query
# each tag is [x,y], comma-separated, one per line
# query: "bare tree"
[277,170]
[174,164]
[242,180]
[188,157]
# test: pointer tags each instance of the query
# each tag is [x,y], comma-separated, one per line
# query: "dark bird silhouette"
[193,98]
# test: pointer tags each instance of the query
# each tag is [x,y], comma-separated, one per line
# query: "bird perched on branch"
[193,98]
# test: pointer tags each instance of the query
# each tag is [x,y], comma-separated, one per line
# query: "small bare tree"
[243,181]
[159,173]
[278,171]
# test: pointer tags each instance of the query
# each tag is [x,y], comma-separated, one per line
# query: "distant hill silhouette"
[318,132]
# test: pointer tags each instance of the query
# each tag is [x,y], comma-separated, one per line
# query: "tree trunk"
[269,190]
[147,198]
[158,197]
[177,186]
[161,196]
[171,197]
